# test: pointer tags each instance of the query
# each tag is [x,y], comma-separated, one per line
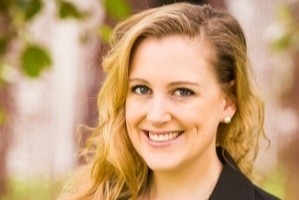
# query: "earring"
[227,119]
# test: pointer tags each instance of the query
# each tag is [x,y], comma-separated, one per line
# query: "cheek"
[132,125]
[202,115]
[133,115]
[193,112]
[135,110]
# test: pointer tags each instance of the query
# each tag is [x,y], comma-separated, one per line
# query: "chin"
[163,165]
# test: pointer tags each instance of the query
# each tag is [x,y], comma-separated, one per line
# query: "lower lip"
[161,144]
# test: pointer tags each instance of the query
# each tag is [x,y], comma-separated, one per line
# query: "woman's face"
[174,103]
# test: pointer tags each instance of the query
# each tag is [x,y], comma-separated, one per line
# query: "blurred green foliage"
[117,9]
[35,60]
[35,189]
[29,8]
[69,10]
[275,182]
[105,32]
[3,44]
[287,28]
[15,16]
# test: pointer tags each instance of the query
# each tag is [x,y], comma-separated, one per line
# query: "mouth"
[162,136]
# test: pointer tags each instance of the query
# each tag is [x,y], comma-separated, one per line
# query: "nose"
[158,113]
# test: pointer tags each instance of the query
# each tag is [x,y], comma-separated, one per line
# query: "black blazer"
[234,185]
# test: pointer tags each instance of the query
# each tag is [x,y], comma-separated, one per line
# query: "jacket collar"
[232,183]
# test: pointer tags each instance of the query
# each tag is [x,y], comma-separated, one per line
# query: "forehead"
[174,44]
[204,48]
[172,56]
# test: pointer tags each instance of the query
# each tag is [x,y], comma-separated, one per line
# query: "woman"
[179,115]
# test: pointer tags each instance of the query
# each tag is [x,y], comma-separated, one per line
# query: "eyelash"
[180,92]
[185,90]
[139,87]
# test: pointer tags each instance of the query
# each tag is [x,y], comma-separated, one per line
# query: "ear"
[229,108]
[230,103]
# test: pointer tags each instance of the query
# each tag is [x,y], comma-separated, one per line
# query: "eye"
[140,89]
[183,92]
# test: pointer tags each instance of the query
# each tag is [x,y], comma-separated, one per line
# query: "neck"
[191,181]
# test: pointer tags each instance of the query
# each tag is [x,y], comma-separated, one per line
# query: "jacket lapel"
[232,183]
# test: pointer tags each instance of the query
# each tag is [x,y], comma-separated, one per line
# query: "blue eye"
[183,92]
[140,89]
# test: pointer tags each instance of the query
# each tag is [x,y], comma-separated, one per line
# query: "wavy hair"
[115,170]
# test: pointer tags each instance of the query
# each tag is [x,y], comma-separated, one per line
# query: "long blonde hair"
[115,170]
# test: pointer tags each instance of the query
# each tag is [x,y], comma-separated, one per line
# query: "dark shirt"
[234,185]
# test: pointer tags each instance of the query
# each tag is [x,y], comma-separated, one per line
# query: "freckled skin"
[173,88]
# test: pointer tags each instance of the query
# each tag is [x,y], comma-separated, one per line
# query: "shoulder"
[260,194]
[234,185]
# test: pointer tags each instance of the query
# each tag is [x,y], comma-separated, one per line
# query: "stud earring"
[227,119]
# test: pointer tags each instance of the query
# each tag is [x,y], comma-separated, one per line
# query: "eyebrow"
[137,80]
[176,83]
[172,84]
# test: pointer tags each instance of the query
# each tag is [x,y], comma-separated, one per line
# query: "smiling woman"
[179,115]
[173,122]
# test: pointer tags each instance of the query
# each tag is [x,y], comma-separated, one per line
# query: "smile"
[163,137]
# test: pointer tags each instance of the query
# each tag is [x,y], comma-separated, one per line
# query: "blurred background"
[50,73]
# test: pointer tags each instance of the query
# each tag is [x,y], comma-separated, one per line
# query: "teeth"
[163,137]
